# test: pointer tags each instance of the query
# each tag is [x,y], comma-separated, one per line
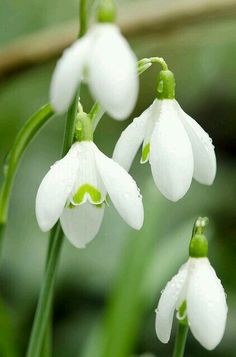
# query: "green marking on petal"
[70,205]
[98,205]
[107,199]
[94,194]
[145,153]
[182,308]
[182,313]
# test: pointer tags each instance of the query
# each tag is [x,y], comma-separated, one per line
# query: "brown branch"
[140,18]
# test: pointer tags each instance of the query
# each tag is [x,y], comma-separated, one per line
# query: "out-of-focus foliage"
[106,294]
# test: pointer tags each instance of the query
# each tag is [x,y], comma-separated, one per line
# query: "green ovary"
[145,153]
[94,194]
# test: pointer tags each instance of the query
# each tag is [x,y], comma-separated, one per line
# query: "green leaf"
[7,335]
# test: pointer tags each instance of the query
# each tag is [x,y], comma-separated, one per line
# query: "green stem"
[70,125]
[25,136]
[83,18]
[161,61]
[181,337]
[23,139]
[96,114]
[146,63]
[45,298]
[46,350]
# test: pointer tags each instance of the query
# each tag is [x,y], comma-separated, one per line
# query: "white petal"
[131,139]
[168,303]
[203,150]
[81,223]
[88,184]
[55,189]
[154,115]
[171,155]
[206,304]
[68,74]
[113,75]
[122,190]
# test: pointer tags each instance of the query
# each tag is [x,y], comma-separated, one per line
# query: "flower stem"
[23,139]
[83,18]
[181,338]
[45,298]
[146,63]
[96,114]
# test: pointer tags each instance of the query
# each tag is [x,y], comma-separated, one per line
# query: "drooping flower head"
[75,191]
[104,59]
[177,148]
[198,296]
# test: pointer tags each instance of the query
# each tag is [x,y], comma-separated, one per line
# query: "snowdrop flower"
[176,146]
[197,289]
[105,60]
[75,190]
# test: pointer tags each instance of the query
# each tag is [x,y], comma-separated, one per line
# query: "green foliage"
[8,346]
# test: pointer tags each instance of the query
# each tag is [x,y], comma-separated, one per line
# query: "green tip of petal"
[198,247]
[70,205]
[94,194]
[145,153]
[182,308]
[99,205]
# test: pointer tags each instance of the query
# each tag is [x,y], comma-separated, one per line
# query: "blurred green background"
[106,294]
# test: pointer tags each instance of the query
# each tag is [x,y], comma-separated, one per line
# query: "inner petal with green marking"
[145,153]
[89,191]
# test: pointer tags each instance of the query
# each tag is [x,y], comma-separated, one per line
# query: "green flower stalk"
[23,139]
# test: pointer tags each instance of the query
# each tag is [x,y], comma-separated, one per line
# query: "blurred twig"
[139,18]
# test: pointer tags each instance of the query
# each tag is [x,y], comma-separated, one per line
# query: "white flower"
[75,190]
[104,57]
[177,148]
[206,308]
